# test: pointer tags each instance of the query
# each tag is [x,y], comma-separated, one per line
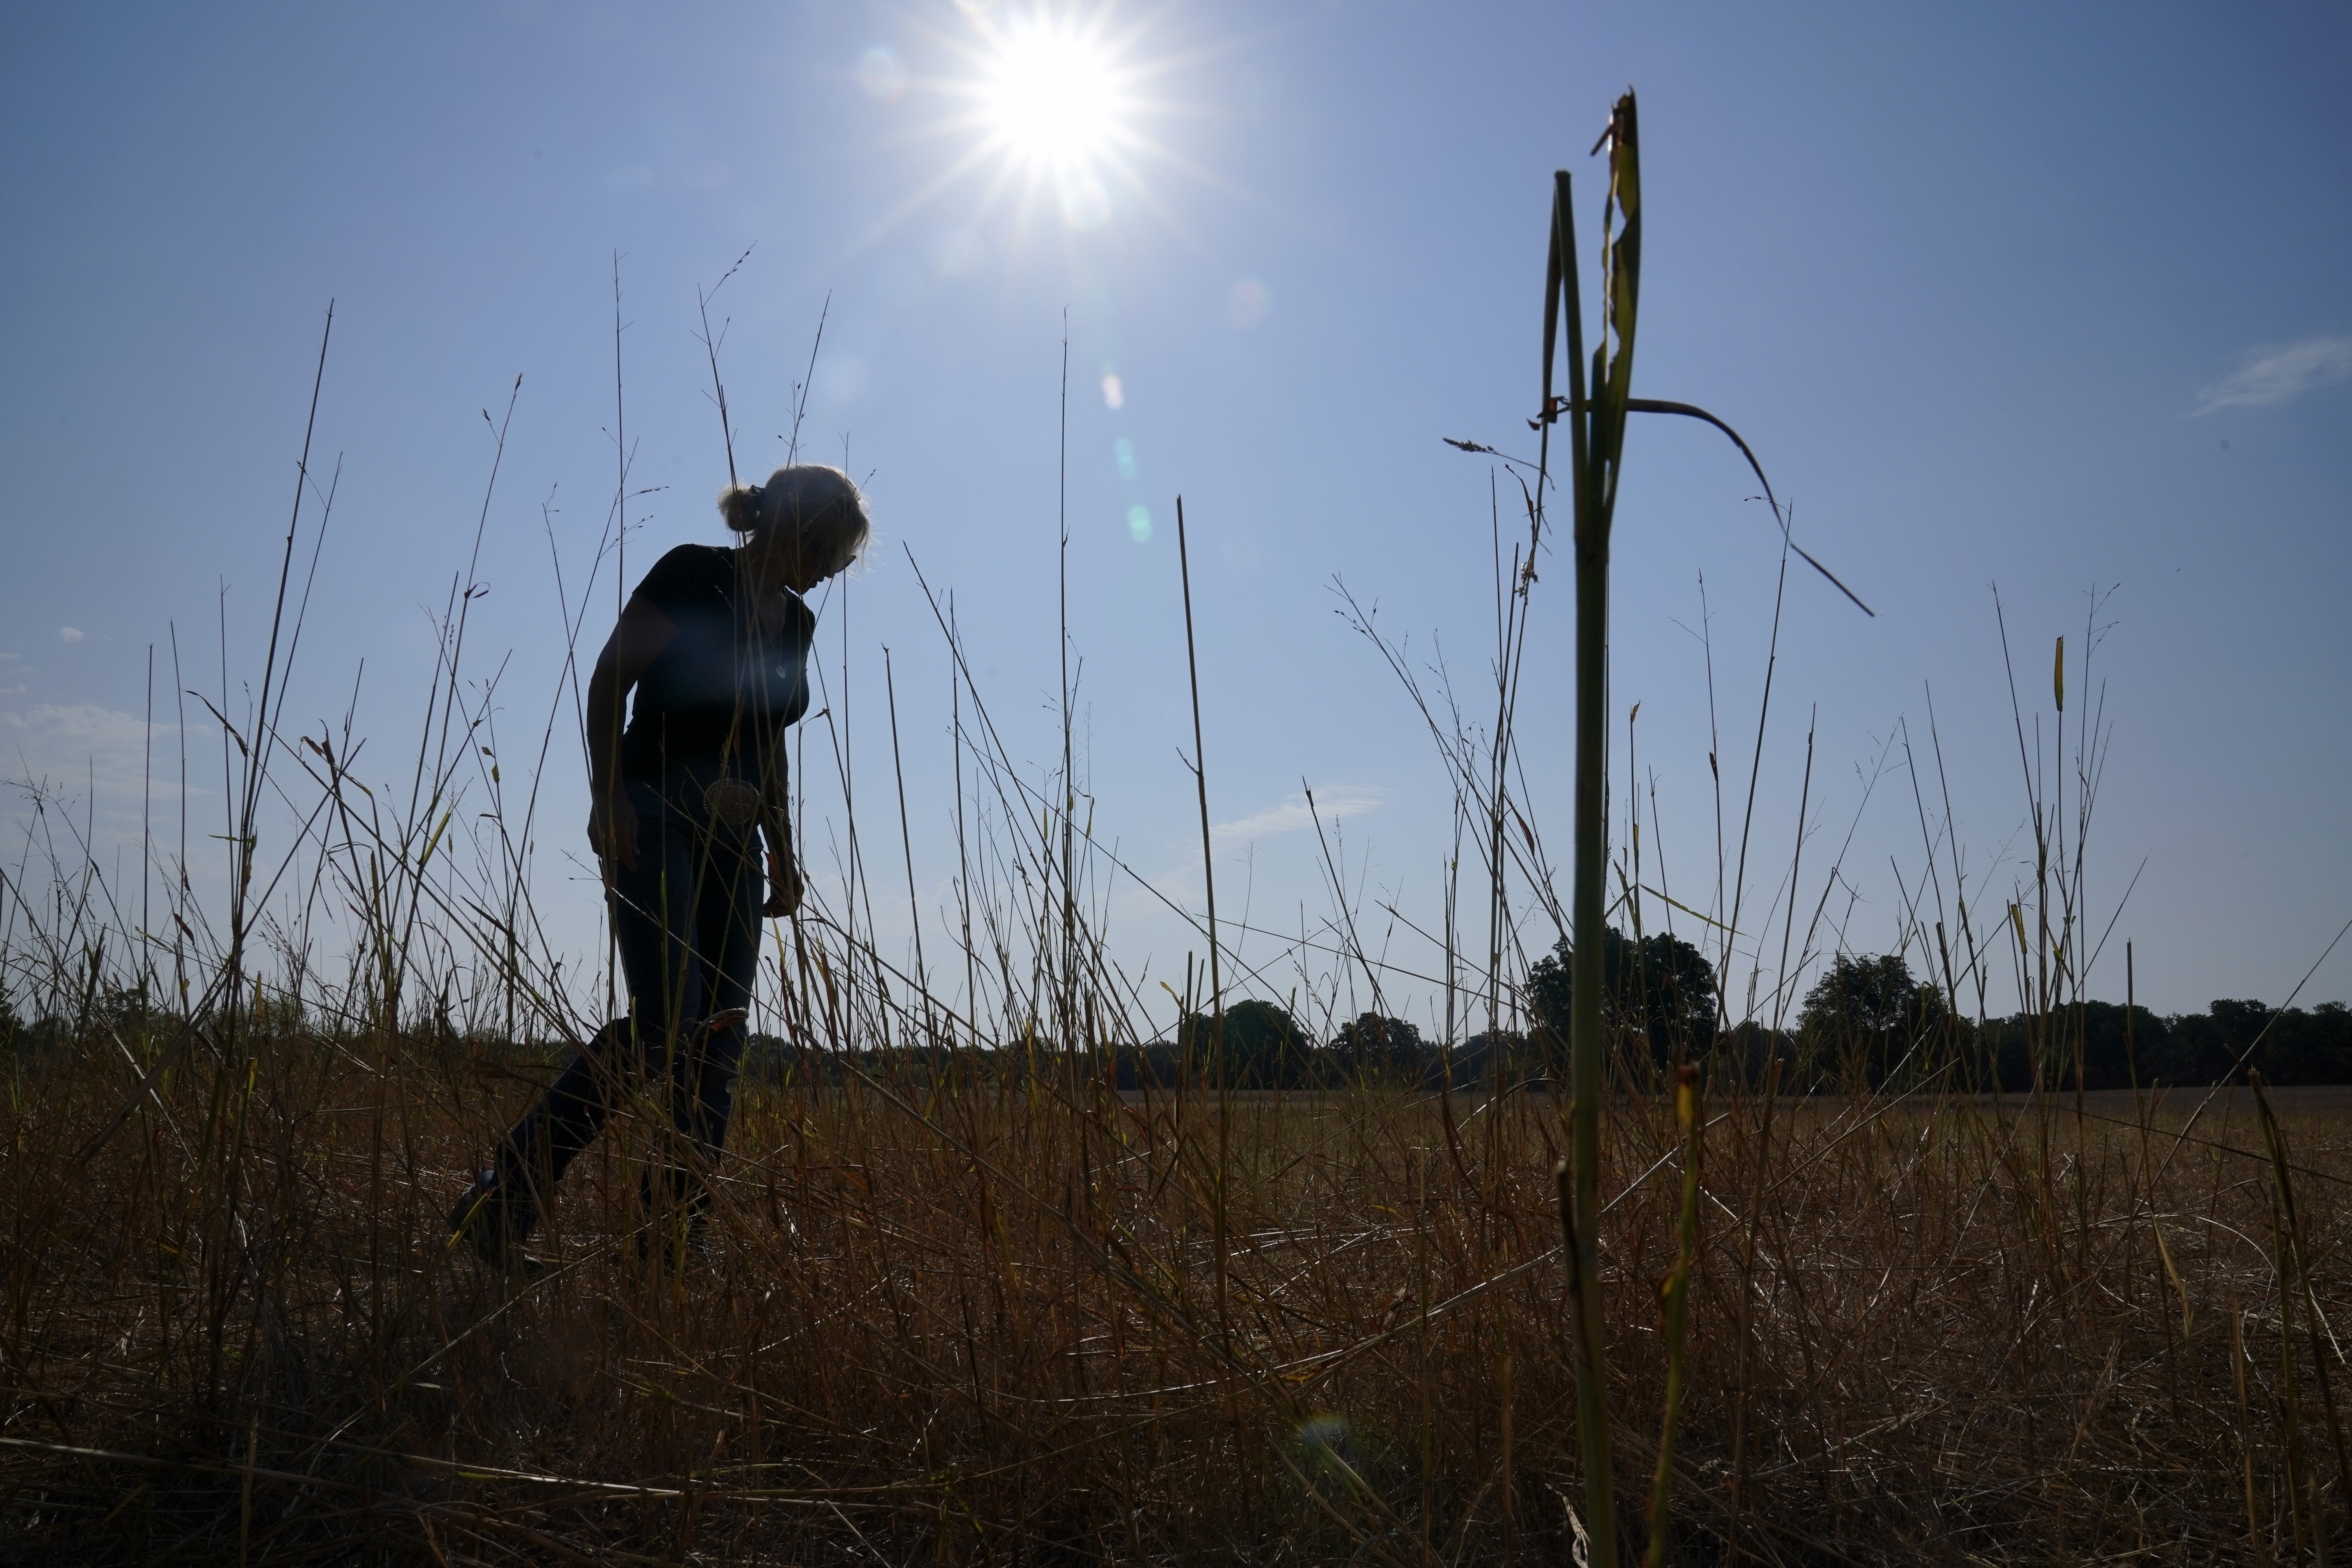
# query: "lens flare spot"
[1114,393]
[1123,451]
[881,73]
[1248,302]
[846,379]
[1139,524]
[956,253]
[1323,1432]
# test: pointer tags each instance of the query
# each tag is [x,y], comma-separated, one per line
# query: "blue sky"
[2056,298]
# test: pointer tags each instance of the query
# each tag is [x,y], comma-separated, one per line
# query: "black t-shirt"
[724,688]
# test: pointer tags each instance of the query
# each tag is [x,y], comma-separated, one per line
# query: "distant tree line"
[1866,1022]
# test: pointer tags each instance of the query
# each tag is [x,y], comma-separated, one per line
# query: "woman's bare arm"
[783,866]
[636,641]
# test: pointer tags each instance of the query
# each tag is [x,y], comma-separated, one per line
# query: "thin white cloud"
[68,634]
[1333,805]
[66,749]
[1181,884]
[2279,372]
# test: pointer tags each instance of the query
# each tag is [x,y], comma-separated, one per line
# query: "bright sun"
[1055,98]
[1050,99]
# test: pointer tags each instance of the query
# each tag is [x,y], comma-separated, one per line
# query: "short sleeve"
[679,579]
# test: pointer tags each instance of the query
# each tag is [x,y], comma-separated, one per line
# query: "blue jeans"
[687,921]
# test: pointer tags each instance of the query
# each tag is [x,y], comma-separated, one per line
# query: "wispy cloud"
[1333,805]
[2280,371]
[73,748]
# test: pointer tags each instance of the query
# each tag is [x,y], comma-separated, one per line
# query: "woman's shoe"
[493,1221]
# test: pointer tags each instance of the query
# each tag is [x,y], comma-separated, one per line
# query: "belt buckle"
[732,801]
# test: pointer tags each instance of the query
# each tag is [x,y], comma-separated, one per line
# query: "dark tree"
[1476,1061]
[2207,1046]
[1374,1047]
[1748,1050]
[1264,1047]
[1865,1014]
[2286,1046]
[2116,1050]
[2116,1046]
[1660,989]
[2308,1048]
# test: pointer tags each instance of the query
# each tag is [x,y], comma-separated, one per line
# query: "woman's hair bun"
[816,507]
[743,506]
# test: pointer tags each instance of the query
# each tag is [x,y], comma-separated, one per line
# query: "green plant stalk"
[1600,1528]
[1597,430]
[1675,1296]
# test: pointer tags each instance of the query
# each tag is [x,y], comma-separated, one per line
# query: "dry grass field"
[987,1323]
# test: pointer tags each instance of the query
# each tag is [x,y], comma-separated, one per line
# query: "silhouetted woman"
[715,644]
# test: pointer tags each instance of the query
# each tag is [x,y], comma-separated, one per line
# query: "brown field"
[989,1325]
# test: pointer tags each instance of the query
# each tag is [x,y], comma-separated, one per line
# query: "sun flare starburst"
[1050,98]
[1054,102]
[1053,107]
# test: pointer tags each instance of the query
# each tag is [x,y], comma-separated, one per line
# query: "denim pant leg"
[727,939]
[533,1155]
[688,921]
[654,907]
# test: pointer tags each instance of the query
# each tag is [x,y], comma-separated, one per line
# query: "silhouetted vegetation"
[1865,1025]
[1658,987]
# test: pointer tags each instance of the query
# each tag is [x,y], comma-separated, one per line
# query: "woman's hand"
[613,828]
[783,887]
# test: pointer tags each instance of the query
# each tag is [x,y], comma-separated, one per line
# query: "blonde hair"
[819,508]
